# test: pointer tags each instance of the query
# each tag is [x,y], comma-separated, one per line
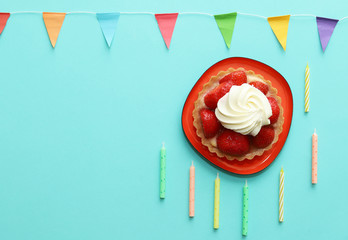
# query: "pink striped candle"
[192,191]
[314,157]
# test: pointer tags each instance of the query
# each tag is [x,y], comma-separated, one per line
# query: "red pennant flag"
[166,23]
[3,20]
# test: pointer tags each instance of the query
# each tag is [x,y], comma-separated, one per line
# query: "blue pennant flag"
[108,23]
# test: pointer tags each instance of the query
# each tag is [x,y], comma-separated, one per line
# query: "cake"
[238,114]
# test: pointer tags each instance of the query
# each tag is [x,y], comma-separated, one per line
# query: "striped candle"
[217,202]
[163,172]
[307,89]
[245,209]
[281,196]
[192,191]
[314,158]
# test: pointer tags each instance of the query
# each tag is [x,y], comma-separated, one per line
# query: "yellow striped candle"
[217,202]
[307,89]
[281,196]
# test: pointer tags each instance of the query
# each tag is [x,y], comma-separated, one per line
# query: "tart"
[238,114]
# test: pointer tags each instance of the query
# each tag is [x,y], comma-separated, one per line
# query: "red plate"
[258,163]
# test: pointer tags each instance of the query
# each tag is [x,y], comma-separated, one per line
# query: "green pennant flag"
[226,23]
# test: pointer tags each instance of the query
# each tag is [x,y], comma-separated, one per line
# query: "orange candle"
[314,157]
[192,191]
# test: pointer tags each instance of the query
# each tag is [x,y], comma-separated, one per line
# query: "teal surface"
[81,125]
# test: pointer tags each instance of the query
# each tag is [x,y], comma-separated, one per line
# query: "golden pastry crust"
[211,142]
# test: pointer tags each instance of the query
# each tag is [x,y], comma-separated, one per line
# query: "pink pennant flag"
[166,23]
[3,20]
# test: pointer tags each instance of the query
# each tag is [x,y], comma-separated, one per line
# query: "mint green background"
[81,125]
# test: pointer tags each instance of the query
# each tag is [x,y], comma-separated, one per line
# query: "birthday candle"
[281,196]
[314,157]
[192,191]
[307,89]
[245,208]
[217,202]
[163,172]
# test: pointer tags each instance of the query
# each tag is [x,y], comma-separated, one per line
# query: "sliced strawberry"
[226,78]
[275,110]
[264,137]
[210,123]
[261,86]
[237,78]
[223,88]
[214,95]
[211,100]
[233,143]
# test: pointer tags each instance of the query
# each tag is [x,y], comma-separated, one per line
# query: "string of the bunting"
[166,24]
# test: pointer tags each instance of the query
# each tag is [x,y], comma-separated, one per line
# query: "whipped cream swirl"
[244,109]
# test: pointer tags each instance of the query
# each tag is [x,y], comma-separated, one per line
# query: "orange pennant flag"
[280,27]
[53,23]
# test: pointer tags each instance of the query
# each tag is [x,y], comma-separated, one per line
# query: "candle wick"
[217,175]
[315,130]
[246,182]
[163,144]
[192,163]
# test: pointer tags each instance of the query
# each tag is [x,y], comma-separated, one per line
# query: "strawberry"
[210,123]
[275,110]
[264,137]
[237,78]
[226,78]
[214,95]
[233,143]
[261,86]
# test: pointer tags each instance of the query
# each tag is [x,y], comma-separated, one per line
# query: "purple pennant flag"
[326,27]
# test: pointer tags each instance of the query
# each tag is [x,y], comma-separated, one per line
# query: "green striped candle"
[163,172]
[245,208]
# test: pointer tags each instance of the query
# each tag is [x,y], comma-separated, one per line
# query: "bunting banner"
[226,24]
[166,23]
[108,23]
[280,25]
[3,20]
[326,26]
[53,23]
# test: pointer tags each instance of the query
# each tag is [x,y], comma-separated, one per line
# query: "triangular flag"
[108,23]
[3,20]
[280,27]
[166,23]
[53,23]
[226,23]
[326,27]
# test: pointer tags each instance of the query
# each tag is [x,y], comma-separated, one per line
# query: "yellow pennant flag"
[53,23]
[280,27]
